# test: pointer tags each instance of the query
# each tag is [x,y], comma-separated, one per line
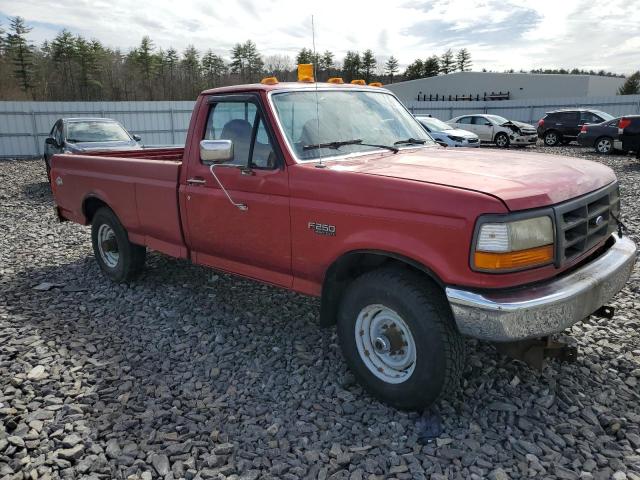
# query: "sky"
[500,34]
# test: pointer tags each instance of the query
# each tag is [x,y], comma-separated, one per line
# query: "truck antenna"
[315,78]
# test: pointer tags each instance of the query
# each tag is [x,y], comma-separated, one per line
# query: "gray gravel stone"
[185,370]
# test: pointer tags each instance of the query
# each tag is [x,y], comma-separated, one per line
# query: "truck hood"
[521,180]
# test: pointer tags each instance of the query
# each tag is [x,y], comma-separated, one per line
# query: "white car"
[497,129]
[452,137]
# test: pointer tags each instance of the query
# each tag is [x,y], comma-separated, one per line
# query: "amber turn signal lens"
[514,260]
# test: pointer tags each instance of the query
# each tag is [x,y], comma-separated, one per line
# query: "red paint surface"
[421,204]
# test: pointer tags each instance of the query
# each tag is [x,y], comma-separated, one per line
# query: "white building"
[512,86]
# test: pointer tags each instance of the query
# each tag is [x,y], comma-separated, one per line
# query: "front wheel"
[551,138]
[502,140]
[604,145]
[117,257]
[397,336]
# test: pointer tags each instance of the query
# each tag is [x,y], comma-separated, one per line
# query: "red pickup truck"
[337,191]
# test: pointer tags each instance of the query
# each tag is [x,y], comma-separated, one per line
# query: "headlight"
[514,245]
[455,139]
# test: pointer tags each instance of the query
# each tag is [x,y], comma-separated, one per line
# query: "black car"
[73,135]
[563,126]
[604,137]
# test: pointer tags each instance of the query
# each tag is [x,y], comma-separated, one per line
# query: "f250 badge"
[322,229]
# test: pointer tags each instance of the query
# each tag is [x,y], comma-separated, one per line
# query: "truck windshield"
[376,119]
[81,132]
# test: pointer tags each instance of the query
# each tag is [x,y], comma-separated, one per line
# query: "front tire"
[502,140]
[117,257]
[398,337]
[604,145]
[552,138]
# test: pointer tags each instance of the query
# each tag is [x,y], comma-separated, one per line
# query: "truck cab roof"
[288,86]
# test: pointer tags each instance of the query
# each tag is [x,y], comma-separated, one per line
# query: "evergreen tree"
[20,52]
[391,67]
[431,66]
[246,61]
[305,56]
[63,53]
[415,70]
[190,67]
[213,68]
[327,64]
[369,63]
[146,61]
[463,60]
[631,86]
[447,63]
[351,66]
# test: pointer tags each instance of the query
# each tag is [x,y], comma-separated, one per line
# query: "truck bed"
[140,186]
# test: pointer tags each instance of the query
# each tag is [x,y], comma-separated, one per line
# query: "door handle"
[196,181]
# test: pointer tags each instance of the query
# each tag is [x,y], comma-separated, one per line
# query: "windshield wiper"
[410,141]
[357,141]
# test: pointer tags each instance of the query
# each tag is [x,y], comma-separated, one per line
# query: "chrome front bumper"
[545,308]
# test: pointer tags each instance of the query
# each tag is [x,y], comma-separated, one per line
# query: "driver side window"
[240,122]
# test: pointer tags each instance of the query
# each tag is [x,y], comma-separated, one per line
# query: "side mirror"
[137,138]
[441,143]
[216,151]
[50,141]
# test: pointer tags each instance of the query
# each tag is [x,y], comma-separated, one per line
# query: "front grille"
[472,140]
[584,222]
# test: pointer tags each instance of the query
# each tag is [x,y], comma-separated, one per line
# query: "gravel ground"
[191,374]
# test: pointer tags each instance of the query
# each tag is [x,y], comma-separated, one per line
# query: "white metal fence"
[528,110]
[25,125]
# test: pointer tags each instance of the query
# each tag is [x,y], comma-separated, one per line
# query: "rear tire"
[117,257]
[604,145]
[502,140]
[552,138]
[47,166]
[398,337]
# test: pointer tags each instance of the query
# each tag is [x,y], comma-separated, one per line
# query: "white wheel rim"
[604,146]
[108,245]
[385,344]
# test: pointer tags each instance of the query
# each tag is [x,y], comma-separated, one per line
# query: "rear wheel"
[604,145]
[551,138]
[502,140]
[47,166]
[397,336]
[117,257]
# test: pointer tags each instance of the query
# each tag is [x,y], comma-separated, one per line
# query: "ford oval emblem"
[599,220]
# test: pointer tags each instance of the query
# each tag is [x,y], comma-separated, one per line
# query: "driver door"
[255,242]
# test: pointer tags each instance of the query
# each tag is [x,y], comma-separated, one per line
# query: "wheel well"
[354,264]
[500,133]
[90,206]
